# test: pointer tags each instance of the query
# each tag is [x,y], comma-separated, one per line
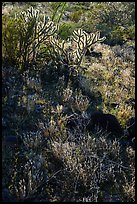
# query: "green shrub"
[76,16]
[57,10]
[66,29]
[10,38]
[131,32]
[118,34]
[112,19]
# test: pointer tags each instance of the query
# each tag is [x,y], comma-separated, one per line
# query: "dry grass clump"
[84,167]
[28,171]
[129,187]
[97,167]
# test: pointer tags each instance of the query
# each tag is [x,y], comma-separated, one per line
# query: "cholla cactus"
[74,50]
[83,41]
[33,32]
[71,53]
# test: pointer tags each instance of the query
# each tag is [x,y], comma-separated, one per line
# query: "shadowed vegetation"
[68,101]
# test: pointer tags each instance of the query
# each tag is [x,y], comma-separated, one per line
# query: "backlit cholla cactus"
[74,50]
[82,42]
[34,31]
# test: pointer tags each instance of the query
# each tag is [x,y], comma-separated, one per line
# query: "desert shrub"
[86,161]
[127,52]
[66,29]
[58,11]
[69,55]
[77,168]
[118,35]
[112,73]
[113,20]
[10,39]
[74,6]
[24,184]
[121,34]
[131,32]
[76,16]
[30,33]
[54,5]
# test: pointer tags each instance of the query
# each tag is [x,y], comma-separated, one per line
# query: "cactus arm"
[84,41]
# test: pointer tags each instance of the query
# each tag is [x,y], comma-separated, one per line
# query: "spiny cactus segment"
[83,41]
[34,32]
[78,45]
